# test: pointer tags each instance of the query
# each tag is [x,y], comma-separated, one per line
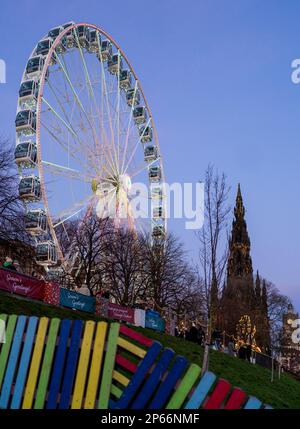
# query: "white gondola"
[82,33]
[69,36]
[156,193]
[158,212]
[53,34]
[36,221]
[158,232]
[140,115]
[28,93]
[145,134]
[115,64]
[106,51]
[133,97]
[30,188]
[26,122]
[26,154]
[154,174]
[46,253]
[150,153]
[94,41]
[44,46]
[125,79]
[35,66]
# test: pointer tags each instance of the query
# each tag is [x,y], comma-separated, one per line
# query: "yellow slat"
[120,378]
[83,365]
[97,358]
[35,363]
[131,347]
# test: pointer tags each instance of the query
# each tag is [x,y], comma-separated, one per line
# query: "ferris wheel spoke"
[106,103]
[128,126]
[67,75]
[136,146]
[72,153]
[65,171]
[66,124]
[67,214]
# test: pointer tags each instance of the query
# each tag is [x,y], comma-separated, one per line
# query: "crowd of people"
[232,347]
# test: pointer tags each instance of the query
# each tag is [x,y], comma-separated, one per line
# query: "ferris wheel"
[84,136]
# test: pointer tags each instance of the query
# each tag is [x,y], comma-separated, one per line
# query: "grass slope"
[255,380]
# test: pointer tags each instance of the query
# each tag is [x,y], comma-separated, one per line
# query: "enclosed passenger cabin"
[26,122]
[30,188]
[115,64]
[46,253]
[154,173]
[158,212]
[133,97]
[34,66]
[82,33]
[26,154]
[125,79]
[106,51]
[28,93]
[156,193]
[36,222]
[158,232]
[139,115]
[69,36]
[145,134]
[150,153]
[53,34]
[94,41]
[44,46]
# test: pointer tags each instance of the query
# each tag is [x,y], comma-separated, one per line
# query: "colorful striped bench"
[51,363]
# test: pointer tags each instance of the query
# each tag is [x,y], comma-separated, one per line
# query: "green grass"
[255,380]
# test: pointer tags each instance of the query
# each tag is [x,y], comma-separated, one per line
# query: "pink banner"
[13,282]
[118,312]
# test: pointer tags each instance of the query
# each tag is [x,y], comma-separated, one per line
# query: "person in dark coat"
[193,333]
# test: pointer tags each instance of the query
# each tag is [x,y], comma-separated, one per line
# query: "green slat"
[108,367]
[184,387]
[46,365]
[10,327]
[116,391]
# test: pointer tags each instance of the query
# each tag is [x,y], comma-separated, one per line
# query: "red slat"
[236,399]
[217,397]
[136,336]
[125,363]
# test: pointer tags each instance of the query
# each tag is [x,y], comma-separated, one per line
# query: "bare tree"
[213,250]
[11,207]
[171,283]
[277,307]
[88,243]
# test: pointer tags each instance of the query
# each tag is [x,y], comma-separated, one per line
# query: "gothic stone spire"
[239,263]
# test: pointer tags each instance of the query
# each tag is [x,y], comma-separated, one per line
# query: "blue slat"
[24,363]
[58,364]
[12,362]
[169,383]
[71,365]
[139,375]
[201,391]
[252,404]
[153,380]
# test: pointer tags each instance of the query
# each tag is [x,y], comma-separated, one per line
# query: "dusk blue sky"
[217,75]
